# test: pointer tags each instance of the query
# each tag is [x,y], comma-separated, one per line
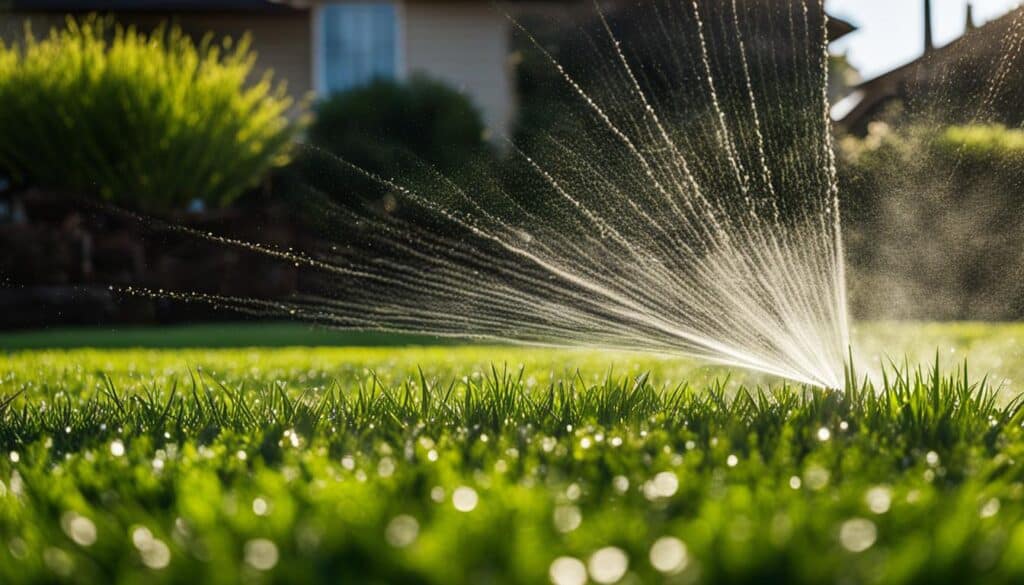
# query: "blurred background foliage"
[377,126]
[98,109]
[933,220]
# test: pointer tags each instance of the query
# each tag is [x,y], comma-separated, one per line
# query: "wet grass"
[439,465]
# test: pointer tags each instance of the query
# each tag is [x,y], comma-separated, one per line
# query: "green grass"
[205,335]
[351,465]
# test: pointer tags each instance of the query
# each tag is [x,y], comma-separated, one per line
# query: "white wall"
[465,44]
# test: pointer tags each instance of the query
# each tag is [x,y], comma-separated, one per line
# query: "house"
[324,46]
[961,67]
[329,46]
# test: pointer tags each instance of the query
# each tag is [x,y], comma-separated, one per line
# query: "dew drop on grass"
[567,571]
[990,509]
[567,518]
[79,529]
[117,448]
[816,477]
[573,492]
[18,548]
[402,531]
[879,499]
[621,483]
[824,434]
[261,554]
[437,494]
[608,565]
[157,555]
[464,499]
[858,534]
[666,484]
[154,552]
[58,561]
[669,555]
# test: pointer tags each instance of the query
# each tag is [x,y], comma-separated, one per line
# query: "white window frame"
[316,25]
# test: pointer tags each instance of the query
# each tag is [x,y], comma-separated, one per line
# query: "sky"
[891,32]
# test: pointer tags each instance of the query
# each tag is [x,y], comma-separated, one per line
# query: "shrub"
[992,144]
[379,125]
[934,221]
[150,121]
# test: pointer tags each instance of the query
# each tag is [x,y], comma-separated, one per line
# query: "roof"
[839,28]
[868,96]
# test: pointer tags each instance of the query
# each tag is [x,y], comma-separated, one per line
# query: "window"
[357,43]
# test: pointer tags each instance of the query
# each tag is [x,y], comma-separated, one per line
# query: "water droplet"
[858,534]
[990,509]
[567,571]
[79,529]
[878,499]
[608,565]
[261,554]
[669,555]
[402,531]
[621,484]
[464,499]
[567,518]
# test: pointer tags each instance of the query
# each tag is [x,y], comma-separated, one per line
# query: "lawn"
[479,464]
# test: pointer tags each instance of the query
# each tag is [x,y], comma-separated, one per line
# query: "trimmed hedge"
[149,121]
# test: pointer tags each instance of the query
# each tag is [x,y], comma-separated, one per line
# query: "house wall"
[282,42]
[465,44]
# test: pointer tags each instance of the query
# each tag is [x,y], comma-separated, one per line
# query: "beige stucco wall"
[282,41]
[465,45]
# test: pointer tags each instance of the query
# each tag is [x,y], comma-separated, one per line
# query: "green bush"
[150,121]
[885,146]
[995,143]
[933,221]
[379,125]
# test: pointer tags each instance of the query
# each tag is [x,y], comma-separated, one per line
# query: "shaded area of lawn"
[211,335]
